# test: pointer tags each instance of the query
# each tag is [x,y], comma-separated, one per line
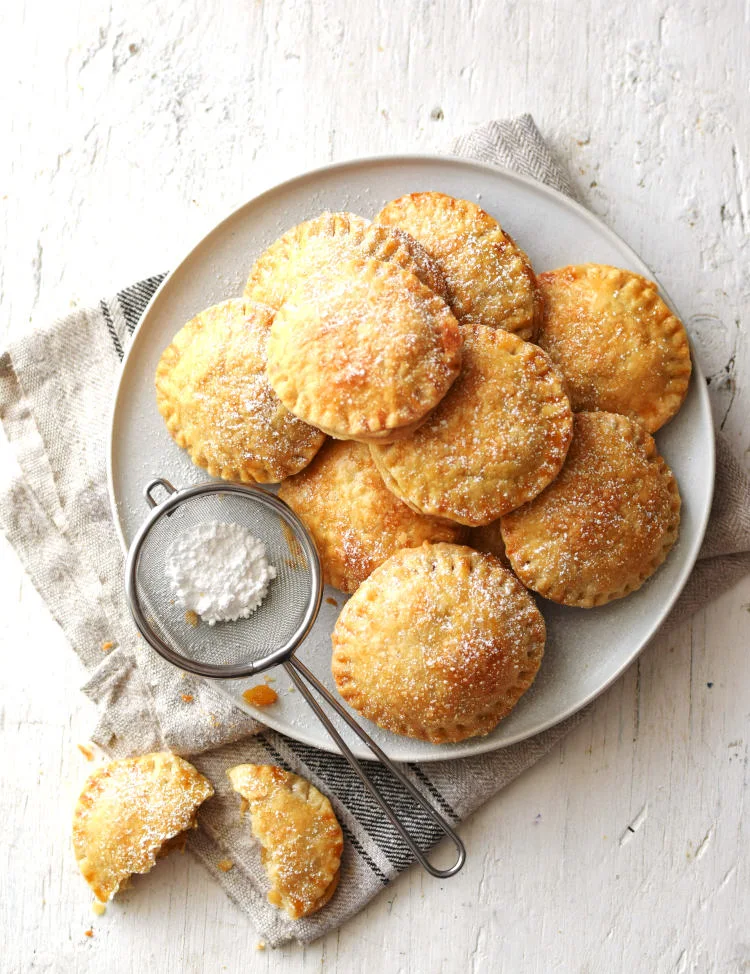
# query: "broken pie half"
[130,813]
[300,838]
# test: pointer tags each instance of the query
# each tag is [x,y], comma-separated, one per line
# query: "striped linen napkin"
[55,389]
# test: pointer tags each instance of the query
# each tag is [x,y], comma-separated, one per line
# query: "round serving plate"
[586,648]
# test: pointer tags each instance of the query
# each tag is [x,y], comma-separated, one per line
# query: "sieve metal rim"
[175,498]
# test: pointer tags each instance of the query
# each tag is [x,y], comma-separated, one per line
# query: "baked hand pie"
[439,643]
[605,524]
[618,346]
[496,440]
[212,390]
[355,521]
[130,813]
[328,239]
[363,350]
[490,280]
[300,838]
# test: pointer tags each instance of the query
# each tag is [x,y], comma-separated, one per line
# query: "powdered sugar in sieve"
[219,571]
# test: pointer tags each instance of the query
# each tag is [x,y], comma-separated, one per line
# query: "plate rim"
[474,746]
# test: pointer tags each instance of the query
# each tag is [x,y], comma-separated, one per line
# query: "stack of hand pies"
[453,430]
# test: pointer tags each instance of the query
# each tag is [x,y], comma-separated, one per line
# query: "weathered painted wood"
[127,130]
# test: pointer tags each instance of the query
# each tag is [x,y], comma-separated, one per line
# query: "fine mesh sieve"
[246,646]
[266,638]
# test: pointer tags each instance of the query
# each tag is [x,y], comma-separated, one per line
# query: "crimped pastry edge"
[431,503]
[335,850]
[586,598]
[480,223]
[408,725]
[336,569]
[344,424]
[91,871]
[678,366]
[250,470]
[327,225]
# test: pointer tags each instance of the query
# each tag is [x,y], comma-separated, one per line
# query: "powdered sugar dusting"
[489,278]
[363,349]
[496,440]
[605,524]
[615,341]
[439,643]
[131,812]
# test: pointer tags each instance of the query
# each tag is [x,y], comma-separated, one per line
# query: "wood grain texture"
[130,128]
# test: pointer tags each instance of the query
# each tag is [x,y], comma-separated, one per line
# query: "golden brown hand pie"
[616,343]
[328,239]
[490,280]
[439,643]
[605,525]
[355,521]
[300,838]
[495,441]
[363,351]
[212,390]
[129,813]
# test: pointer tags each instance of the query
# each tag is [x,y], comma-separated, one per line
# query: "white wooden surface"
[128,129]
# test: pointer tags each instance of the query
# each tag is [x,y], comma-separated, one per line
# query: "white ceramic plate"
[586,649]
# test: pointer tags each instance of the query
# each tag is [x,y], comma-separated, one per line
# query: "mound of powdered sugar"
[219,571]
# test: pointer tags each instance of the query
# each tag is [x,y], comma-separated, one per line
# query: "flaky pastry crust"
[490,279]
[128,811]
[615,341]
[439,643]
[277,270]
[605,524]
[212,390]
[327,240]
[300,838]
[363,351]
[355,521]
[496,440]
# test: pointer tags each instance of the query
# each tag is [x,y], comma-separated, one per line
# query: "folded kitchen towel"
[55,388]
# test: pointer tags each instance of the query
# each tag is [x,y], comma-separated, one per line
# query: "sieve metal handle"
[148,491]
[299,673]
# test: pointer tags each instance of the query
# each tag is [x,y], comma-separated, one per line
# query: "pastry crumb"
[331,601]
[86,752]
[260,696]
[187,697]
[88,933]
[99,908]
[225,865]
[107,645]
[260,945]
[192,618]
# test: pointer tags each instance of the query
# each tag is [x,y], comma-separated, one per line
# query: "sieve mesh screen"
[273,623]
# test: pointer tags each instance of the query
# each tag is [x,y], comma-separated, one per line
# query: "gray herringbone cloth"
[55,511]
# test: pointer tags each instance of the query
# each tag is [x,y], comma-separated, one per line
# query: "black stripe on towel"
[135,298]
[111,328]
[351,792]
[439,798]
